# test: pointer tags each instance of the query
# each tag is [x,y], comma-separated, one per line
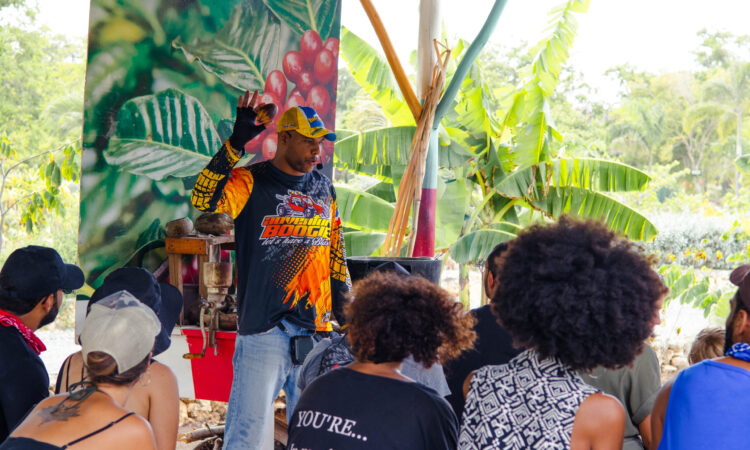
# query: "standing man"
[708,404]
[32,282]
[291,262]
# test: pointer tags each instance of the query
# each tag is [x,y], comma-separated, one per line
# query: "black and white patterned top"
[527,403]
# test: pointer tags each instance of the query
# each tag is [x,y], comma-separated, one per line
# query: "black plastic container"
[360,266]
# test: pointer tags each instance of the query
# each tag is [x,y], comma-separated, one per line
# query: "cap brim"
[73,278]
[171,306]
[318,132]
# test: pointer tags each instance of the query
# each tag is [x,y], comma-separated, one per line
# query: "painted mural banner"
[162,82]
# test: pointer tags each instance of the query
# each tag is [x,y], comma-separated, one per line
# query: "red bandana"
[9,320]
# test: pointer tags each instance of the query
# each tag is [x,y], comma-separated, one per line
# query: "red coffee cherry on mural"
[292,64]
[309,46]
[332,45]
[305,82]
[325,66]
[269,146]
[295,99]
[276,84]
[320,100]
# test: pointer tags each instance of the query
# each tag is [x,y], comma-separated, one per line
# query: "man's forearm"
[209,187]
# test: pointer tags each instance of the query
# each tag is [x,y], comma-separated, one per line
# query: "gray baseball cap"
[122,327]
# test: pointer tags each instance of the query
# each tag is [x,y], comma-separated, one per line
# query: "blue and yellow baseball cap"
[305,121]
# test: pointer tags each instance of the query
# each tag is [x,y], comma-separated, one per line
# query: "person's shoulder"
[12,343]
[137,432]
[432,403]
[161,370]
[17,357]
[162,376]
[600,410]
[256,169]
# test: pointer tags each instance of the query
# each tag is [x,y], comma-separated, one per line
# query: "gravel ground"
[59,344]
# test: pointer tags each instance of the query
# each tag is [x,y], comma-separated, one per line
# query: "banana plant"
[506,163]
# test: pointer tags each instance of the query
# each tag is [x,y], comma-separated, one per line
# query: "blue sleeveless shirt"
[709,407]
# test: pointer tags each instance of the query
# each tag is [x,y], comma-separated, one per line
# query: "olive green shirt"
[635,386]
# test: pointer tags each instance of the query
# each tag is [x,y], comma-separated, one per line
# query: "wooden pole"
[393,61]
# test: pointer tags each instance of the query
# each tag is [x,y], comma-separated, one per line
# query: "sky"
[652,35]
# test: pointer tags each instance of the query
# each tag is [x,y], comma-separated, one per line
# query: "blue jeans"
[262,365]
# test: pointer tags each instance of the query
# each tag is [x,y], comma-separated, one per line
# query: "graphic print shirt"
[527,403]
[291,262]
[349,410]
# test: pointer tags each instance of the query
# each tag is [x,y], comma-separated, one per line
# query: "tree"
[498,168]
[40,124]
[33,198]
[730,90]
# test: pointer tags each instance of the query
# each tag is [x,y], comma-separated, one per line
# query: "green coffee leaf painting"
[244,51]
[303,15]
[162,135]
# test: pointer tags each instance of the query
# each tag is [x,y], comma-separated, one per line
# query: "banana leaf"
[473,248]
[371,71]
[362,211]
[586,173]
[243,52]
[452,198]
[595,205]
[360,243]
[162,135]
[381,146]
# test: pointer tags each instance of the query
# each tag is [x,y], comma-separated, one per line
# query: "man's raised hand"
[245,128]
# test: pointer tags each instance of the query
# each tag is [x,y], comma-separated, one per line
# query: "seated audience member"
[335,351]
[116,341]
[636,386]
[32,281]
[370,404]
[157,399]
[576,297]
[493,345]
[708,344]
[708,404]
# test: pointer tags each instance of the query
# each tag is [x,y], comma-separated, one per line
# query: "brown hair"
[708,344]
[102,369]
[394,316]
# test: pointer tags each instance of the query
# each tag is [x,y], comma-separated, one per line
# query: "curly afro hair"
[574,291]
[393,316]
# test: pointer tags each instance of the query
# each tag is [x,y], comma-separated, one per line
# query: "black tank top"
[24,443]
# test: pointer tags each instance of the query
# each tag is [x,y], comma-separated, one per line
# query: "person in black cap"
[155,397]
[32,282]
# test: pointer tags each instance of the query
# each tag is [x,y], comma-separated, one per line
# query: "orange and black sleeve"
[220,188]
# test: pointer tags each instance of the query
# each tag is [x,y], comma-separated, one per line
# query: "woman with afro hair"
[575,297]
[369,404]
